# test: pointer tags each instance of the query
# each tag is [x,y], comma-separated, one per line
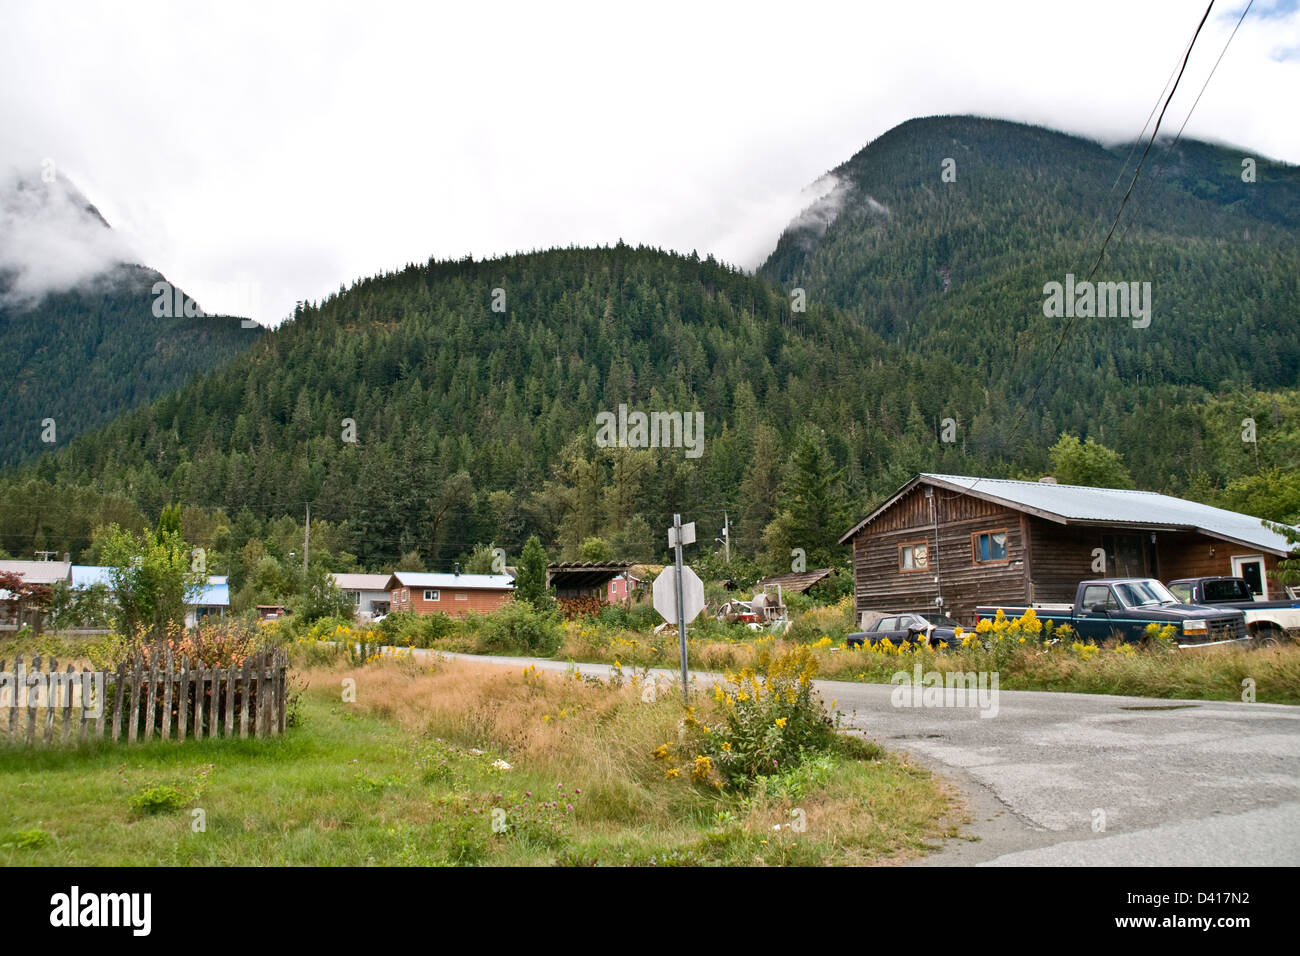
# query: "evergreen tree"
[530,582]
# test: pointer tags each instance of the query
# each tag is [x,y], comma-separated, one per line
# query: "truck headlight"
[1197,626]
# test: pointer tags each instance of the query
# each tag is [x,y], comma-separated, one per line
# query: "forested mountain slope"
[474,425]
[942,234]
[455,404]
[78,331]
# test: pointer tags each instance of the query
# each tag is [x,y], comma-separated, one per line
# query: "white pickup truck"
[1269,622]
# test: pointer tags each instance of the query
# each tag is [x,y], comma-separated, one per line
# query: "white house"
[369,593]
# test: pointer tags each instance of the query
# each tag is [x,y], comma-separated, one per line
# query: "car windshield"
[1144,593]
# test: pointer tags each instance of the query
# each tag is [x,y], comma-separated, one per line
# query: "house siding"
[475,600]
[879,585]
[1046,560]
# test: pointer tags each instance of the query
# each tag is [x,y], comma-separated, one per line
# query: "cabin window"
[354,597]
[989,547]
[913,556]
[462,596]
[431,595]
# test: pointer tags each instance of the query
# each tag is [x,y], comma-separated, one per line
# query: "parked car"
[1269,622]
[1123,607]
[905,628]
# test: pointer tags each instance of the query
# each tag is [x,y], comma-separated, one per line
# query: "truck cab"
[1106,608]
[1270,622]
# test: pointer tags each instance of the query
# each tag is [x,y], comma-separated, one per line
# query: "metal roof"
[39,572]
[85,575]
[799,581]
[216,594]
[361,582]
[1080,504]
[584,574]
[472,582]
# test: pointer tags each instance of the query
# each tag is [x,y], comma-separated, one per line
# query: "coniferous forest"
[898,327]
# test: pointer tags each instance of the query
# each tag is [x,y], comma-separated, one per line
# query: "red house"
[453,594]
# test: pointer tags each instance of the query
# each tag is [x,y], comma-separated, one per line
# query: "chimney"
[457,569]
[67,557]
[1047,480]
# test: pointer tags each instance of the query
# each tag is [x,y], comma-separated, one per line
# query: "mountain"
[78,328]
[474,425]
[957,266]
[454,404]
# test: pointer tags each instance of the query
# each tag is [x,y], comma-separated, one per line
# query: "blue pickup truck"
[1123,607]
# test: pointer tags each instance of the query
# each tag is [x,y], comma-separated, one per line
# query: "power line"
[1123,202]
[1174,142]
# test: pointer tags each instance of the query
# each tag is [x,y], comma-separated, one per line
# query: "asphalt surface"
[1083,779]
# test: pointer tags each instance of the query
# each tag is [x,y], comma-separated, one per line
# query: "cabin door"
[1129,555]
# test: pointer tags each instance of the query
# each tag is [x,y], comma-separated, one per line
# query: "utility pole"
[725,540]
[306,540]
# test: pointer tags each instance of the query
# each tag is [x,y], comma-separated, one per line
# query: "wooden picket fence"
[140,701]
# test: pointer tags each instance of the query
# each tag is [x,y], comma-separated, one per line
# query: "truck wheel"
[1269,637]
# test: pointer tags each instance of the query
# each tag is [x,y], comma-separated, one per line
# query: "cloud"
[51,238]
[297,146]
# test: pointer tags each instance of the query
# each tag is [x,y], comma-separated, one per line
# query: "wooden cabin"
[951,542]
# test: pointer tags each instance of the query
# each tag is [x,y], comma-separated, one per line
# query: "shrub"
[640,616]
[408,629]
[159,798]
[768,719]
[518,627]
[834,621]
[171,795]
[27,839]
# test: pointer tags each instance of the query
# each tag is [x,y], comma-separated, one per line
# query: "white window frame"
[437,595]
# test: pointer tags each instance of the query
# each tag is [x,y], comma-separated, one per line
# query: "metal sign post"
[678,591]
[681,605]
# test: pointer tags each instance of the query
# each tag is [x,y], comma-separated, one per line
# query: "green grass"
[355,786]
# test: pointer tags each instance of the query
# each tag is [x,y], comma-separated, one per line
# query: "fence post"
[19,681]
[133,728]
[119,700]
[65,732]
[198,701]
[152,699]
[51,699]
[246,716]
[183,701]
[284,689]
[167,696]
[31,699]
[87,692]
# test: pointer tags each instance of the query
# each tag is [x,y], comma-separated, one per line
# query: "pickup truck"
[1269,622]
[1123,607]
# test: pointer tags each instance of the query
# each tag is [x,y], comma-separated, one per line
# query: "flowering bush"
[768,718]
[222,643]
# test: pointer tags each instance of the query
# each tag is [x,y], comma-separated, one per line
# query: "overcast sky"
[294,147]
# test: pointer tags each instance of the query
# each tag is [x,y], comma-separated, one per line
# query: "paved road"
[1083,779]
